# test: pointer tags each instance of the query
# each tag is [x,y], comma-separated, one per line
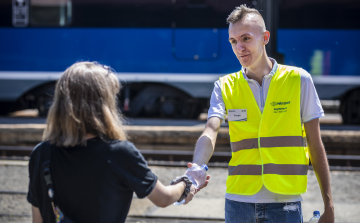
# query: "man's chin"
[244,63]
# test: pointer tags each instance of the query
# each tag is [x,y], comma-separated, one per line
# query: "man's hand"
[193,189]
[206,181]
[328,216]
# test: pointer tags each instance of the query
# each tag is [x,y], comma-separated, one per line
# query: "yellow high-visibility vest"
[270,148]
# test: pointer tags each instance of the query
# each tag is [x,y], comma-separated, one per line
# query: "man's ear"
[266,37]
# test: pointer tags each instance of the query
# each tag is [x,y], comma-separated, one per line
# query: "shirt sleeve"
[217,105]
[310,105]
[134,170]
[34,186]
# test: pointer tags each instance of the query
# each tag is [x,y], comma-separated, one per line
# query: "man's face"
[247,40]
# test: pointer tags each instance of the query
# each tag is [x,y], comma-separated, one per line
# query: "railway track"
[176,158]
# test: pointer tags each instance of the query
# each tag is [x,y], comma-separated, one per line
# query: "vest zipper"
[262,94]
[262,102]
[262,97]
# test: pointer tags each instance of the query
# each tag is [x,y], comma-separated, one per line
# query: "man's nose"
[240,47]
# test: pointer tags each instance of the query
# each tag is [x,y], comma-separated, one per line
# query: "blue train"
[168,53]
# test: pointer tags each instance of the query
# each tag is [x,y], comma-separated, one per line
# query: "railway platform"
[207,205]
[174,142]
[337,141]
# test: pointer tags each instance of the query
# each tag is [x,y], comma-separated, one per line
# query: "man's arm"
[321,168]
[163,196]
[206,143]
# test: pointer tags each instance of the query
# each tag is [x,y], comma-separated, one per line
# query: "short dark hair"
[239,12]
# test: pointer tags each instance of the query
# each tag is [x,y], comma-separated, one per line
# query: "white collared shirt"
[310,108]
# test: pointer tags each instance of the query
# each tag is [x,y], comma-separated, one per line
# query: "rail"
[180,157]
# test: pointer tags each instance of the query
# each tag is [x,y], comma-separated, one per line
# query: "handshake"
[195,178]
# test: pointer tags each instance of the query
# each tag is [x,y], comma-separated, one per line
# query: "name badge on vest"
[239,115]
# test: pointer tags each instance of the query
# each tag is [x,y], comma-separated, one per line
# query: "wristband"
[187,182]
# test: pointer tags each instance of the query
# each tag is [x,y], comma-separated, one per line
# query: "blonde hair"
[241,11]
[85,101]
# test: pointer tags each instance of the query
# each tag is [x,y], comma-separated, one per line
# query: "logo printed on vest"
[280,110]
[279,103]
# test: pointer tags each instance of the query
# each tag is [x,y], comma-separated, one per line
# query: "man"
[268,105]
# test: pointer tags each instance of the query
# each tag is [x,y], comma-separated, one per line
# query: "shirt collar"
[272,72]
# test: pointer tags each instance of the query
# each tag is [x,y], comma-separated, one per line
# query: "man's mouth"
[243,56]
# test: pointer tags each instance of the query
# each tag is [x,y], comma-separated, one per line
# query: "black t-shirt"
[92,183]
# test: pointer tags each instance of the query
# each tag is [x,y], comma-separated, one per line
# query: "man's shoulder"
[289,68]
[304,75]
[231,76]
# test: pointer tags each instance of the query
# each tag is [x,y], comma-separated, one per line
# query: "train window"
[320,14]
[153,13]
[124,13]
[50,12]
[204,13]
[197,3]
[20,16]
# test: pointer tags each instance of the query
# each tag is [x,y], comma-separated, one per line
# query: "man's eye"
[233,42]
[246,38]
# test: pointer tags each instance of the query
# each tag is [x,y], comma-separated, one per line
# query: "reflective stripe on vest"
[270,168]
[268,148]
[280,141]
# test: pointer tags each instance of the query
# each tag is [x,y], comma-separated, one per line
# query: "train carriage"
[168,53]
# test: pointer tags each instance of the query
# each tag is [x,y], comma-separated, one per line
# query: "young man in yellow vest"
[269,108]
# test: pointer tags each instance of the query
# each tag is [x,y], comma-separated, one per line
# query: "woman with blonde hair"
[85,170]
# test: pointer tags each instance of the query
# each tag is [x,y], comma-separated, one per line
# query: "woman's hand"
[191,194]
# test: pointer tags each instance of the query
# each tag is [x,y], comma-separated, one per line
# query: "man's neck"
[259,70]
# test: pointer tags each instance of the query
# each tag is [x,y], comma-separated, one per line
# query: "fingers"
[325,218]
[189,198]
[190,195]
[194,190]
[204,185]
[206,182]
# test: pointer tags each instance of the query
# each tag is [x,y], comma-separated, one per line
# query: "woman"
[94,170]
